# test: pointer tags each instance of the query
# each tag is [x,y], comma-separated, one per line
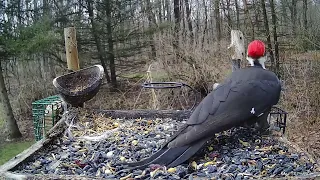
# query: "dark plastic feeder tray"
[80,86]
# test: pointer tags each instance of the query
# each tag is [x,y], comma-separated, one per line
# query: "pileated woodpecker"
[245,98]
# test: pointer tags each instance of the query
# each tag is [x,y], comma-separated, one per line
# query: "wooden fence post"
[71,49]
[236,49]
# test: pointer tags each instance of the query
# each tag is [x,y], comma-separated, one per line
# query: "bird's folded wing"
[245,100]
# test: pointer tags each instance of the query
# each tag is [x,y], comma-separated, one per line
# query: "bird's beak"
[250,61]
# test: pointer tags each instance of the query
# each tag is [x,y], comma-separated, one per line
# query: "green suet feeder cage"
[45,113]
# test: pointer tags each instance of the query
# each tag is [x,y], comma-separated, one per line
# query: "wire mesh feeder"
[80,86]
[45,114]
[279,118]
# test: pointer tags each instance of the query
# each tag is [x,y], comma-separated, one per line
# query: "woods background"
[176,40]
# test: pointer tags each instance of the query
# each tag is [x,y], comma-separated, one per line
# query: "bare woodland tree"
[266,26]
[6,111]
[275,37]
[217,18]
[95,33]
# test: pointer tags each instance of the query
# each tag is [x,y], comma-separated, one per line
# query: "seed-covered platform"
[92,145]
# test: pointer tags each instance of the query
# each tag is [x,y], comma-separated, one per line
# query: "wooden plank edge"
[13,162]
[19,176]
[22,156]
[306,176]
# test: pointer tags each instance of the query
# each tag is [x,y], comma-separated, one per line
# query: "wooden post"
[236,49]
[71,49]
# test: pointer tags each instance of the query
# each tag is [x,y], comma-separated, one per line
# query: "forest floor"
[307,137]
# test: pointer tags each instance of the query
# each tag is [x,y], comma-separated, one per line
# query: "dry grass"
[301,96]
[198,66]
[302,99]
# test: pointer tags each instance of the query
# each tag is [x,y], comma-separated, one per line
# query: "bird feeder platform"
[70,152]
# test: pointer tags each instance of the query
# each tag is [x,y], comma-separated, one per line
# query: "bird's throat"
[257,62]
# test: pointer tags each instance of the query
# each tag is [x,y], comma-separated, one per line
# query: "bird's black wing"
[245,100]
[231,104]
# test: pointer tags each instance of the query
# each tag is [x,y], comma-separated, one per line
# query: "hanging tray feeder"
[80,86]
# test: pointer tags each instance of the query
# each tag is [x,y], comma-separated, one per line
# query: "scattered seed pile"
[79,82]
[236,154]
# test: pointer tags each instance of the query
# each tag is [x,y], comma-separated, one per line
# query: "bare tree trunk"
[205,22]
[284,11]
[197,21]
[163,10]
[217,18]
[6,112]
[305,20]
[229,15]
[101,53]
[183,19]
[257,14]
[237,14]
[19,14]
[293,10]
[249,19]
[46,9]
[266,26]
[168,10]
[275,36]
[188,13]
[305,24]
[110,45]
[160,11]
[177,18]
[152,24]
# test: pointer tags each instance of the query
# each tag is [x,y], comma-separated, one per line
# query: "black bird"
[244,99]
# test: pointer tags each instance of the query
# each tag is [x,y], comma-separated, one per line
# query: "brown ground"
[307,137]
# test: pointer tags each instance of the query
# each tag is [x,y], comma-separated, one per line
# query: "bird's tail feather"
[159,152]
[193,149]
[147,160]
[169,157]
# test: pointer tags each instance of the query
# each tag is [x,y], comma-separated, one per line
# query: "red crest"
[256,49]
